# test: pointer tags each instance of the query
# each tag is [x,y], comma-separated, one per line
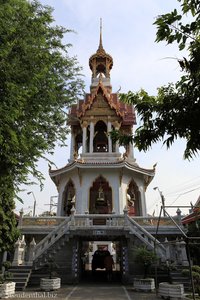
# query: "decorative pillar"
[72,147]
[125,269]
[87,222]
[91,136]
[142,208]
[168,257]
[84,126]
[73,211]
[109,128]
[31,252]
[17,254]
[130,148]
[125,216]
[183,253]
[23,249]
[130,153]
[75,262]
[117,126]
[60,210]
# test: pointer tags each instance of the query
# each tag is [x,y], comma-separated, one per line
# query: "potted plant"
[146,258]
[52,282]
[196,277]
[168,290]
[7,286]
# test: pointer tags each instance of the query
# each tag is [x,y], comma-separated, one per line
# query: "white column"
[72,147]
[60,211]
[168,256]
[143,202]
[23,246]
[183,253]
[117,126]
[84,139]
[109,139]
[31,252]
[91,136]
[130,153]
[17,254]
[117,147]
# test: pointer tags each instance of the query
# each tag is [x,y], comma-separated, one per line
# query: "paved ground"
[87,292]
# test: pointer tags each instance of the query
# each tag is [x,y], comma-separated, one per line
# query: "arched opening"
[133,196]
[68,198]
[100,197]
[101,69]
[100,143]
[92,262]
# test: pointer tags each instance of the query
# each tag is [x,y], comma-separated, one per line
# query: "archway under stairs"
[92,257]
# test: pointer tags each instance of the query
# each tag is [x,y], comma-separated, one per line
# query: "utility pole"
[162,200]
[34,203]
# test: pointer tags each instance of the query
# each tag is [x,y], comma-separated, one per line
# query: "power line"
[184,194]
[186,184]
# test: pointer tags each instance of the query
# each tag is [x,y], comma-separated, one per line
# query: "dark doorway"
[68,198]
[93,258]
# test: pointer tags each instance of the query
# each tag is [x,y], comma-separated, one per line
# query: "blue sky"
[129,37]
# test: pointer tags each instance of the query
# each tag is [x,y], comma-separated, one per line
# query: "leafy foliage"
[194,244]
[52,267]
[174,112]
[145,257]
[38,81]
[6,276]
[195,275]
[123,139]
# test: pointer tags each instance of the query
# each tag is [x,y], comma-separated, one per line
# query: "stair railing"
[146,237]
[51,238]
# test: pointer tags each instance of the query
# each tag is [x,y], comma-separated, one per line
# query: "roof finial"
[100,40]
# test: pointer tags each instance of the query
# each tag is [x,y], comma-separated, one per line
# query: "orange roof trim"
[87,105]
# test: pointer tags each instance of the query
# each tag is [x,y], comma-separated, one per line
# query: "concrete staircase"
[148,239]
[56,239]
[51,243]
[50,252]
[20,275]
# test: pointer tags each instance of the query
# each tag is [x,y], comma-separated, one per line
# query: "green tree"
[194,243]
[174,112]
[145,257]
[38,81]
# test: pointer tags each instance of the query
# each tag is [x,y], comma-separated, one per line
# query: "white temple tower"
[98,179]
[101,205]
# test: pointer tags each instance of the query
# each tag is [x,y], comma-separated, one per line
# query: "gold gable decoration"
[100,90]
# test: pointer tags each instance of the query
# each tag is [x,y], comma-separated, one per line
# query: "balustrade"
[63,225]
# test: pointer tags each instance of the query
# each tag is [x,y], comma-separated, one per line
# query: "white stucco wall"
[84,178]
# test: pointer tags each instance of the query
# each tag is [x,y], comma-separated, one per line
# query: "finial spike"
[100,40]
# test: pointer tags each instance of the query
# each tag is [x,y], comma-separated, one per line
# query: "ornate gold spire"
[100,62]
[100,38]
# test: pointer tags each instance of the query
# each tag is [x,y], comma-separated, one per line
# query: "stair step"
[21,267]
[19,279]
[20,275]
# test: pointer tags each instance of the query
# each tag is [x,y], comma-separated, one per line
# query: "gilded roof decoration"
[109,97]
[101,57]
